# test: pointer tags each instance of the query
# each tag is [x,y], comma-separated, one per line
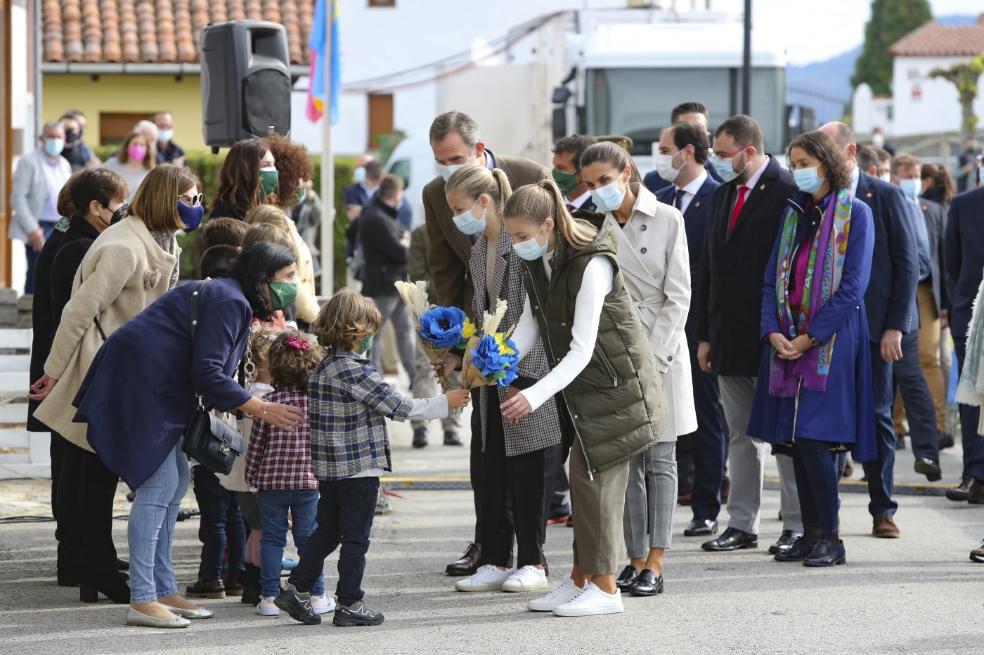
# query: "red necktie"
[742,192]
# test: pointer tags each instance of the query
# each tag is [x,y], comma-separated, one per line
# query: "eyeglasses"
[192,201]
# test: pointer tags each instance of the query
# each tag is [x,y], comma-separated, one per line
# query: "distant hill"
[826,85]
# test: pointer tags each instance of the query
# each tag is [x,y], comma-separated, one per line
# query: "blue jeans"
[151,529]
[222,525]
[47,227]
[880,471]
[274,505]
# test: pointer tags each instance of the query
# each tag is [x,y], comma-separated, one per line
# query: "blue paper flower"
[496,359]
[441,327]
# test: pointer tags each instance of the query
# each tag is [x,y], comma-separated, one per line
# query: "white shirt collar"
[754,178]
[855,177]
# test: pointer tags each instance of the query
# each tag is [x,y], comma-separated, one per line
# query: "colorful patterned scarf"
[823,275]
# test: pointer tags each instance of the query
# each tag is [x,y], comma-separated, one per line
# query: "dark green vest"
[616,405]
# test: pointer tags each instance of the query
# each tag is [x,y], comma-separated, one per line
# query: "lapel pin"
[868,195]
[762,188]
[697,204]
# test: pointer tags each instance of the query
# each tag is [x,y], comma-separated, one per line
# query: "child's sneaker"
[487,578]
[358,613]
[322,604]
[527,578]
[266,607]
[298,605]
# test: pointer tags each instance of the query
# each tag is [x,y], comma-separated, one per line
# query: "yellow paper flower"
[500,340]
[468,329]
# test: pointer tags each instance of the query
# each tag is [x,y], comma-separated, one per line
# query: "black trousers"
[519,479]
[86,489]
[345,512]
[475,463]
[67,521]
[917,400]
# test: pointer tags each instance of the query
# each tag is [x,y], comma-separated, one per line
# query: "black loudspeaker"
[245,81]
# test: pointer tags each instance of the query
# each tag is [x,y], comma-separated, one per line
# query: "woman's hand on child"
[458,398]
[517,407]
[286,417]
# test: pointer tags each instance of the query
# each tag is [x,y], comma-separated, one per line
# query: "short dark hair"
[820,146]
[389,186]
[689,134]
[575,144]
[867,157]
[374,170]
[745,130]
[224,231]
[455,121]
[218,261]
[692,107]
[99,184]
[255,267]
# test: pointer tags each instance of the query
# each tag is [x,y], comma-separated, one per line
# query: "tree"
[964,76]
[890,21]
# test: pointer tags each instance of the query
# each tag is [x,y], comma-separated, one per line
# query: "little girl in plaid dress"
[278,465]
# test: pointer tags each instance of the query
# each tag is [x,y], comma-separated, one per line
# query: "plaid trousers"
[650,499]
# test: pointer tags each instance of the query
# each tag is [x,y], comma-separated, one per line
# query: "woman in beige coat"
[128,267]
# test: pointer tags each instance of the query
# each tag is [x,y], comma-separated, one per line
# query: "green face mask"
[365,344]
[282,294]
[566,181]
[269,178]
[301,194]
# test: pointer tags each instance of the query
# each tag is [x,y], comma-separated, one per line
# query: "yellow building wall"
[130,93]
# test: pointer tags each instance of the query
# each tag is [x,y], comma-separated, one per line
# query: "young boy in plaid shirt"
[348,402]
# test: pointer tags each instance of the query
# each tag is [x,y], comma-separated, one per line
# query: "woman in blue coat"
[140,395]
[813,397]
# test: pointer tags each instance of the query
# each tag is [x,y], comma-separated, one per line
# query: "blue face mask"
[448,171]
[359,174]
[54,147]
[911,188]
[531,249]
[190,216]
[807,179]
[468,224]
[980,175]
[609,197]
[724,167]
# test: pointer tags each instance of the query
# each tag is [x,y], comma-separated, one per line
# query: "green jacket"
[617,404]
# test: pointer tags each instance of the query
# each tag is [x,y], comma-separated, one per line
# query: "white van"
[413,160]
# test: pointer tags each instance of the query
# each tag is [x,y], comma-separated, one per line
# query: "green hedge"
[207,166]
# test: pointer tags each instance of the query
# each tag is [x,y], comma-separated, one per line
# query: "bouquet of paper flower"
[440,328]
[490,357]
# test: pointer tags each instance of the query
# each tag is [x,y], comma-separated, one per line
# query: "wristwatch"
[813,340]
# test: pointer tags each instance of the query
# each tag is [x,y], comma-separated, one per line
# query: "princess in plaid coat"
[512,457]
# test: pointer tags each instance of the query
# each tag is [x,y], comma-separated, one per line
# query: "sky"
[835,25]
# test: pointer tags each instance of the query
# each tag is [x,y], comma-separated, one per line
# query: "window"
[380,116]
[382,3]
[113,127]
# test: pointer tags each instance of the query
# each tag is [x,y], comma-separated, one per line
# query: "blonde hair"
[269,214]
[474,180]
[260,232]
[345,320]
[535,203]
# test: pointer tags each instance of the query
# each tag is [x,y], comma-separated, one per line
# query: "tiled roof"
[158,31]
[935,40]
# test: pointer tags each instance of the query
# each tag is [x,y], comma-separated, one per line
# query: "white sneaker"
[267,608]
[592,600]
[322,604]
[528,578]
[487,578]
[560,595]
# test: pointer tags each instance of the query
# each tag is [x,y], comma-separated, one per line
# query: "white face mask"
[887,177]
[664,167]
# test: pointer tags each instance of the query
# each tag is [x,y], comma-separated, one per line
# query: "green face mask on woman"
[282,294]
[269,178]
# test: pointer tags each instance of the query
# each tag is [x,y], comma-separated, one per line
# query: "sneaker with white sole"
[322,604]
[527,578]
[560,595]
[267,608]
[591,601]
[487,578]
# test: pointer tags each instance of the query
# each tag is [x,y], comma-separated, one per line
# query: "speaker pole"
[327,230]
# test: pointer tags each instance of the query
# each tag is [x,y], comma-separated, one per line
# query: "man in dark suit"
[744,220]
[683,154]
[566,171]
[964,261]
[890,303]
[687,112]
[456,142]
[919,375]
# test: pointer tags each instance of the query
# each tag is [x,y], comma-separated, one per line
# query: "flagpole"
[327,166]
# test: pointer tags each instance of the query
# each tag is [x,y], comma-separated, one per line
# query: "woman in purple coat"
[813,398]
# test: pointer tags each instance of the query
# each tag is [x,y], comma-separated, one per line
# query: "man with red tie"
[744,221]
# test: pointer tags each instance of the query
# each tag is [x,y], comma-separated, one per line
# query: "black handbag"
[209,440]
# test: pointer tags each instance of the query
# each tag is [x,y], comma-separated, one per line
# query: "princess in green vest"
[603,375]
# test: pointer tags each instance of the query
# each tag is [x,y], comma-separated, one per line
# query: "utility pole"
[327,230]
[746,64]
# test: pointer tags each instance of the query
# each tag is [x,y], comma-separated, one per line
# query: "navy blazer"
[655,183]
[695,222]
[139,394]
[964,256]
[890,301]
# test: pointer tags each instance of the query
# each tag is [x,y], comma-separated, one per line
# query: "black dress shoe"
[453,439]
[826,553]
[701,528]
[946,440]
[799,551]
[625,579]
[732,539]
[929,468]
[468,562]
[113,586]
[784,543]
[961,493]
[420,437]
[68,579]
[975,495]
[647,583]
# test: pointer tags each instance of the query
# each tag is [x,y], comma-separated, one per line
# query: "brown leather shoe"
[214,589]
[977,555]
[885,528]
[468,562]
